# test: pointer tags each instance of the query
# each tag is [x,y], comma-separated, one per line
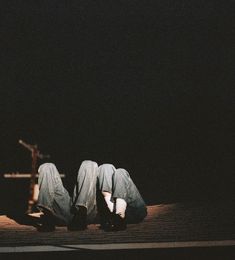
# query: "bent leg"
[105,177]
[84,194]
[125,189]
[104,194]
[53,197]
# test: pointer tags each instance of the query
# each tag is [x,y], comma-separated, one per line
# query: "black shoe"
[119,223]
[46,228]
[47,224]
[79,221]
[106,220]
[107,225]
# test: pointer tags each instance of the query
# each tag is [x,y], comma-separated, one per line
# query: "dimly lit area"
[147,86]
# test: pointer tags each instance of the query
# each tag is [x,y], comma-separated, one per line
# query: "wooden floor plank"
[165,223]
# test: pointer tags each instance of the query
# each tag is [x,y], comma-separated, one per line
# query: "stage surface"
[167,227]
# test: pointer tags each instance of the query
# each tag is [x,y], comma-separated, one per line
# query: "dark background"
[145,85]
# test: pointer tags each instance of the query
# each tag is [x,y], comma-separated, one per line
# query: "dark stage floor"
[197,229]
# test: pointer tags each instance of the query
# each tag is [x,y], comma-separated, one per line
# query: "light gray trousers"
[90,180]
[119,183]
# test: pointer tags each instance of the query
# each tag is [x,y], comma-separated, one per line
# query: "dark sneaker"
[119,223]
[46,228]
[106,219]
[79,221]
[47,224]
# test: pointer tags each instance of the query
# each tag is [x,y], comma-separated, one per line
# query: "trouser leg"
[105,177]
[53,198]
[104,193]
[84,194]
[124,194]
[125,189]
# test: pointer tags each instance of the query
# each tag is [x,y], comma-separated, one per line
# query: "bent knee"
[45,167]
[89,163]
[106,169]
[122,173]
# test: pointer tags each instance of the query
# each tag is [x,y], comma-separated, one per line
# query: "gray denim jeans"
[119,183]
[91,179]
[55,198]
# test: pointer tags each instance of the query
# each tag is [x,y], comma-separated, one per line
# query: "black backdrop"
[145,85]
